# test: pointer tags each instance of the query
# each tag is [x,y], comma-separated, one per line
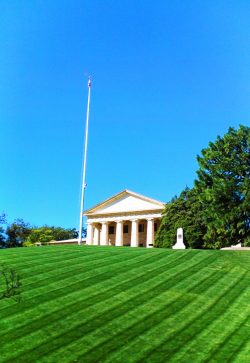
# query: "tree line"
[20,233]
[215,213]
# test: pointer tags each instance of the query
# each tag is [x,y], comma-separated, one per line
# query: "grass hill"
[110,304]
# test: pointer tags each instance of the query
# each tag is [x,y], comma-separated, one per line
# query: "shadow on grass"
[93,299]
[173,343]
[66,289]
[43,265]
[232,345]
[84,265]
[103,350]
[79,330]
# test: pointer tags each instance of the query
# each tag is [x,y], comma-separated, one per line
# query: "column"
[104,234]
[96,235]
[89,240]
[134,233]
[119,233]
[150,232]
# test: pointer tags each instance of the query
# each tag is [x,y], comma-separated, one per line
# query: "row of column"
[94,235]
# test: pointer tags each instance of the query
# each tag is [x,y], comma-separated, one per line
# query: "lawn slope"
[110,304]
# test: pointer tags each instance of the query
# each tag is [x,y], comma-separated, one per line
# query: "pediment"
[125,202]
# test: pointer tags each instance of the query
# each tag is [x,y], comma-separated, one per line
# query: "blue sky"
[168,77]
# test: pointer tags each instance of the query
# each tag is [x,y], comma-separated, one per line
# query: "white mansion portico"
[126,219]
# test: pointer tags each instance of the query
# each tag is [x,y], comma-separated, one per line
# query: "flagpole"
[84,165]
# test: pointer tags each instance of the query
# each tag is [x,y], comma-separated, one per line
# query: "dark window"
[155,227]
[111,229]
[125,228]
[141,227]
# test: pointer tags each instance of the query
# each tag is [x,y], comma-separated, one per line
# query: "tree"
[48,233]
[2,218]
[223,186]
[2,234]
[185,211]
[20,232]
[17,233]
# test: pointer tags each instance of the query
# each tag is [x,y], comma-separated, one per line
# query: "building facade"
[126,219]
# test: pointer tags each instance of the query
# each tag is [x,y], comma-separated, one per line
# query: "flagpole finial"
[89,82]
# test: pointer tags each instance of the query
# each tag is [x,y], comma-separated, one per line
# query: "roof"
[148,204]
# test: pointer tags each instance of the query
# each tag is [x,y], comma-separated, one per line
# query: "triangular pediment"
[125,202]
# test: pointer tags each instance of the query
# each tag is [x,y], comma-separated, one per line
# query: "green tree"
[48,233]
[17,232]
[223,186]
[185,211]
[2,231]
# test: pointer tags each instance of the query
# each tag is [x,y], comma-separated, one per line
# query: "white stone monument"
[179,240]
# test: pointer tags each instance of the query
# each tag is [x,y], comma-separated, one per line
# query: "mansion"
[126,219]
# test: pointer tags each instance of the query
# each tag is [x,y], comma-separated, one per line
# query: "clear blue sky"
[168,77]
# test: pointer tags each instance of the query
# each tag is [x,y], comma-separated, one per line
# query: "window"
[125,228]
[111,229]
[141,227]
[155,227]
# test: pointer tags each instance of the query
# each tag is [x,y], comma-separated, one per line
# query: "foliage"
[247,242]
[223,185]
[2,237]
[216,212]
[2,231]
[20,233]
[10,283]
[2,218]
[46,233]
[17,232]
[28,244]
[185,211]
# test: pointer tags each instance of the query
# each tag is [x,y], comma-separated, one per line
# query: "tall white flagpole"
[84,165]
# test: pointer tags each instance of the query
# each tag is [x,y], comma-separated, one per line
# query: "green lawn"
[111,304]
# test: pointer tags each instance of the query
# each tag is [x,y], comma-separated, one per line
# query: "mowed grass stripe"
[70,334]
[52,264]
[164,326]
[96,263]
[17,259]
[24,268]
[235,339]
[153,271]
[235,317]
[100,334]
[86,274]
[84,262]
[237,344]
[25,254]
[110,286]
[5,304]
[100,259]
[50,253]
[29,340]
[111,313]
[87,278]
[113,326]
[130,337]
[174,342]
